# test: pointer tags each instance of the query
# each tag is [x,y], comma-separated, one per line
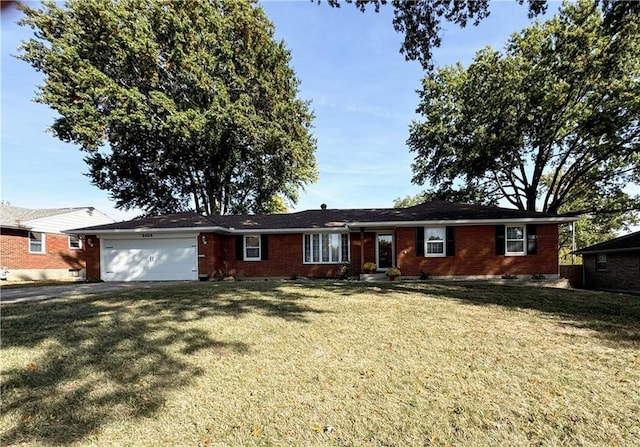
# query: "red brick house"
[32,245]
[441,238]
[613,265]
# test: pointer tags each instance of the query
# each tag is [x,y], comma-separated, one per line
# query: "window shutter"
[420,241]
[532,239]
[451,242]
[239,248]
[500,240]
[264,247]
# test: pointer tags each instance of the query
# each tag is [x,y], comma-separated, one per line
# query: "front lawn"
[321,363]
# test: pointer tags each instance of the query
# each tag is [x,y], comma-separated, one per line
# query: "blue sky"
[362,90]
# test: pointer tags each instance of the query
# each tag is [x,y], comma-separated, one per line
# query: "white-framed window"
[252,248]
[74,242]
[325,248]
[601,262]
[434,240]
[36,242]
[515,240]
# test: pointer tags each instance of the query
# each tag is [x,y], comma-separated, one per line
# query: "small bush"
[393,272]
[345,271]
[369,266]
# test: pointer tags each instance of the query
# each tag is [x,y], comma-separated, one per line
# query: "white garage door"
[149,259]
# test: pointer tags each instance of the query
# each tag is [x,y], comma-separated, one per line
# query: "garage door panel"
[150,260]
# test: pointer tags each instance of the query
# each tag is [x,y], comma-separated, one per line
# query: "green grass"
[323,364]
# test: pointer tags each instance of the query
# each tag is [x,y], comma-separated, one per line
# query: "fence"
[573,273]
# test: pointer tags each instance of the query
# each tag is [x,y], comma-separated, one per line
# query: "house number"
[147,234]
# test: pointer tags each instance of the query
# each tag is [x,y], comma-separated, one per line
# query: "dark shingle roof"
[629,242]
[327,218]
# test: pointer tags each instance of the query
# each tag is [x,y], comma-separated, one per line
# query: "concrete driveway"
[22,294]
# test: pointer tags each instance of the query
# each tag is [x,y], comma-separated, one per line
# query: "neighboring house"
[441,238]
[613,265]
[32,245]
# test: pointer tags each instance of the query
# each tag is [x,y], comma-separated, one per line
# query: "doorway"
[384,250]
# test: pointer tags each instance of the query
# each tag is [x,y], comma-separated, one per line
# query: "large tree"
[176,104]
[552,119]
[421,21]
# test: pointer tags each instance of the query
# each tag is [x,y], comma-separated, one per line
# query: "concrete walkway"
[22,294]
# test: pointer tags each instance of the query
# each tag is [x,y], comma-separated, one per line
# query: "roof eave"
[414,223]
[604,251]
[16,227]
[149,230]
[322,229]
[342,228]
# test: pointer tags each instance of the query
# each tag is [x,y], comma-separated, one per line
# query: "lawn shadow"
[616,317]
[116,355]
[237,300]
[98,358]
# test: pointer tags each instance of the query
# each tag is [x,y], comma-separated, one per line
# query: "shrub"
[393,272]
[345,271]
[369,266]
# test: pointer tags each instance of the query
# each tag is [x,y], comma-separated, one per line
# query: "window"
[515,237]
[252,248]
[435,239]
[601,262]
[326,248]
[74,242]
[36,242]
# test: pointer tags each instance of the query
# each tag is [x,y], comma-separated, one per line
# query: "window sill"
[326,263]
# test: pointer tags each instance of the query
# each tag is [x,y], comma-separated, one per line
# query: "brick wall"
[212,255]
[14,249]
[475,254]
[623,272]
[369,242]
[285,259]
[218,256]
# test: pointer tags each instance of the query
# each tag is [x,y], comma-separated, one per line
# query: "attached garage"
[150,259]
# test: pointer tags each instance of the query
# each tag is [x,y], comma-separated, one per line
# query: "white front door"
[384,250]
[149,259]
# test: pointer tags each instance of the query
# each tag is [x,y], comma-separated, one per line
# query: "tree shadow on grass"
[99,358]
[616,317]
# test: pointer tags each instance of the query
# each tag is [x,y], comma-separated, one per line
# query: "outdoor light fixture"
[90,242]
[204,240]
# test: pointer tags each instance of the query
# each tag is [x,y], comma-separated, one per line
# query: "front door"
[384,250]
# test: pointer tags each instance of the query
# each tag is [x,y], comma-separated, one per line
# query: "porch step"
[373,277]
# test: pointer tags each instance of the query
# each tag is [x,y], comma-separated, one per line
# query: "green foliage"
[369,266]
[176,104]
[448,194]
[593,228]
[421,21]
[551,121]
[346,271]
[393,272]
